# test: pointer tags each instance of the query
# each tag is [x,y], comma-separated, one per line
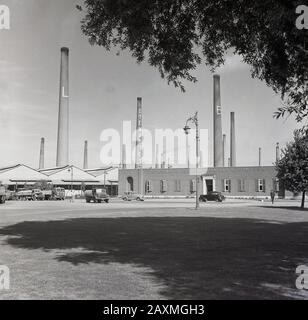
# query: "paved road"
[283,211]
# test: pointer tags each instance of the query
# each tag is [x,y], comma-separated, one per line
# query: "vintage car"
[97,196]
[2,194]
[130,196]
[212,196]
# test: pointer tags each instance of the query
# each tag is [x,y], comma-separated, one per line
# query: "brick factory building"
[238,182]
[224,176]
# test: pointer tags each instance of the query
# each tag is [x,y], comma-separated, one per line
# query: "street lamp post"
[195,120]
[72,179]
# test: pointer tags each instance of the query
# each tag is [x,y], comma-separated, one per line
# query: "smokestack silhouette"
[63,117]
[260,157]
[42,154]
[138,162]
[224,148]
[123,156]
[156,157]
[277,152]
[85,155]
[218,143]
[232,140]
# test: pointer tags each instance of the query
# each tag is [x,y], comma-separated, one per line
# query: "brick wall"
[180,181]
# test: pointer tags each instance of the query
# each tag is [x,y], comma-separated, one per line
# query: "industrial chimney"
[156,157]
[260,157]
[85,155]
[42,154]
[277,152]
[139,151]
[138,162]
[123,156]
[232,140]
[224,148]
[63,117]
[218,143]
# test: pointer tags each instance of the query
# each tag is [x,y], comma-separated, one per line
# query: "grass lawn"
[153,258]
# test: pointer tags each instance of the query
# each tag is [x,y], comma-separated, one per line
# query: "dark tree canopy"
[292,168]
[176,36]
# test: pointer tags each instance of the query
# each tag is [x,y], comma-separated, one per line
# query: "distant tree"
[175,36]
[292,168]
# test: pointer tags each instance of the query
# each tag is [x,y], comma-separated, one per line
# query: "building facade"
[238,182]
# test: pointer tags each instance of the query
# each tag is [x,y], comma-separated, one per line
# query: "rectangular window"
[260,185]
[163,186]
[226,184]
[276,187]
[193,186]
[148,186]
[178,186]
[241,185]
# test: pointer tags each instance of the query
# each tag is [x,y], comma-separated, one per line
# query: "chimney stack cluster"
[221,159]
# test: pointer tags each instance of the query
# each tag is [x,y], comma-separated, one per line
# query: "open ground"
[158,249]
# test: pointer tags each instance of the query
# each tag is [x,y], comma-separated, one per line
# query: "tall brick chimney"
[42,154]
[232,140]
[85,155]
[63,116]
[138,161]
[277,152]
[260,157]
[218,143]
[224,146]
[124,165]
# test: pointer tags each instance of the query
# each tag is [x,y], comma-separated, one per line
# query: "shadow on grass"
[196,258]
[290,208]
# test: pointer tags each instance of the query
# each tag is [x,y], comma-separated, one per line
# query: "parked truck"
[97,196]
[2,194]
[29,194]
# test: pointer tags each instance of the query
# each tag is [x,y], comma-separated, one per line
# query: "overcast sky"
[104,88]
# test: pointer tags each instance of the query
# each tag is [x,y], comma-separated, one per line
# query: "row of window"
[164,186]
[242,185]
[260,185]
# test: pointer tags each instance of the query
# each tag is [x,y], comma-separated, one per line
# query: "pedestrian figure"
[273,196]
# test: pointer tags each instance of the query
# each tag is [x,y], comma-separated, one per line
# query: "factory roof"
[53,170]
[100,171]
[68,174]
[21,173]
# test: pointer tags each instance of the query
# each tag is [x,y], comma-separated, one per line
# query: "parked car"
[2,194]
[212,196]
[130,196]
[97,196]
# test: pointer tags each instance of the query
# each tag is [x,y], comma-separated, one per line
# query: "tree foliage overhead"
[292,168]
[176,36]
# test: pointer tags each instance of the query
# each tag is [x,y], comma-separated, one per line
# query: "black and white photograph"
[153,150]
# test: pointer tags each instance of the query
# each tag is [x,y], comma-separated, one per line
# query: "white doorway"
[208,183]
